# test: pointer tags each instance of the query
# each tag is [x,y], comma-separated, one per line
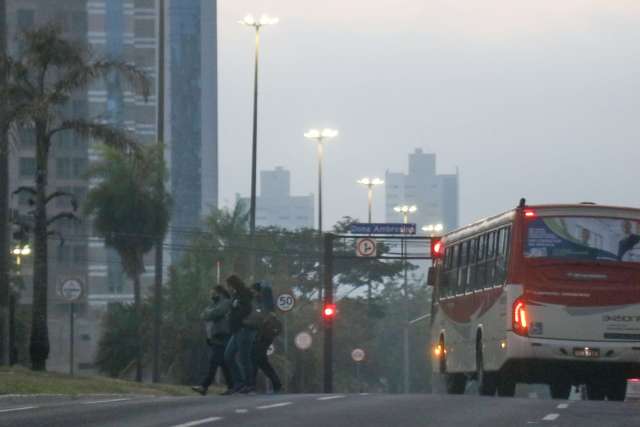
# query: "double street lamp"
[433,229]
[405,210]
[320,136]
[256,24]
[19,252]
[370,183]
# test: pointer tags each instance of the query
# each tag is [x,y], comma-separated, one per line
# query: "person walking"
[267,331]
[237,355]
[216,318]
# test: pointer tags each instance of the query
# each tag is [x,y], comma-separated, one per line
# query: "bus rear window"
[584,238]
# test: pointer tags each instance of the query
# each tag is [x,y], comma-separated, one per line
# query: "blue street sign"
[383,228]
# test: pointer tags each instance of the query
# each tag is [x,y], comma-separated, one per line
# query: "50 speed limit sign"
[285,302]
[366,248]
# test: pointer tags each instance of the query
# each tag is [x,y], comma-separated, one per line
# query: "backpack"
[271,327]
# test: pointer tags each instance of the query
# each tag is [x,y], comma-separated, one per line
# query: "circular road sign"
[357,355]
[366,247]
[285,302]
[303,341]
[71,289]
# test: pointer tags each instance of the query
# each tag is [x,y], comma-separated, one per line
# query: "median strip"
[23,408]
[96,402]
[199,422]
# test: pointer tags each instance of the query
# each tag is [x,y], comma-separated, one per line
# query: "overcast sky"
[534,98]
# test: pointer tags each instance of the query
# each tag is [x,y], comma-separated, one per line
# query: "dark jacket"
[216,317]
[240,309]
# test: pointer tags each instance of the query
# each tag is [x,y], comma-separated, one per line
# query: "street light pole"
[405,210]
[370,184]
[250,21]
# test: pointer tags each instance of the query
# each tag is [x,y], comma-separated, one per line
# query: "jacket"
[240,309]
[216,318]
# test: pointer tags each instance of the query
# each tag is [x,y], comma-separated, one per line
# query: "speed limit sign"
[285,302]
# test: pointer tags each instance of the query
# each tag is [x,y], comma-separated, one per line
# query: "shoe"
[199,389]
[228,392]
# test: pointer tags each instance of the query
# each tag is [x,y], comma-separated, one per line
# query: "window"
[463,267]
[78,167]
[471,271]
[27,167]
[503,255]
[27,137]
[63,168]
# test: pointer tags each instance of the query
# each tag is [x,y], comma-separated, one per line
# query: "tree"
[129,212]
[41,80]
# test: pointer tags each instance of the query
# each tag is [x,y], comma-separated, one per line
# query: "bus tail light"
[529,213]
[520,317]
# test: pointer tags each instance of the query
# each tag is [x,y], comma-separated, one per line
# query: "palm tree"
[41,79]
[129,212]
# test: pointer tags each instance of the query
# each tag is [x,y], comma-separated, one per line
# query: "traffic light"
[329,311]
[437,248]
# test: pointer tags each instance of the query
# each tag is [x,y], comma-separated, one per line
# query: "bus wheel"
[506,385]
[616,389]
[456,383]
[595,391]
[487,381]
[560,389]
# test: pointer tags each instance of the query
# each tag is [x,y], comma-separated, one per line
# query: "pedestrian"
[238,352]
[270,327]
[216,318]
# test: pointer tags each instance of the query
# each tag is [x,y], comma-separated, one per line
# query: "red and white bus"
[539,294]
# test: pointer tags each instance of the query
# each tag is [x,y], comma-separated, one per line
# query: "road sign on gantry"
[366,247]
[285,302]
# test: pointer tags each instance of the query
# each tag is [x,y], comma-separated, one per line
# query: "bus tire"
[456,383]
[616,389]
[506,385]
[487,381]
[560,389]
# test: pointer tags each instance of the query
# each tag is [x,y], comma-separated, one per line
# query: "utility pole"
[328,320]
[5,285]
[159,261]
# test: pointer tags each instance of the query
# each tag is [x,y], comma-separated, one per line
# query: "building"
[435,196]
[275,206]
[126,30]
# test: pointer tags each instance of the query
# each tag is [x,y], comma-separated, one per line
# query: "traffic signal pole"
[328,320]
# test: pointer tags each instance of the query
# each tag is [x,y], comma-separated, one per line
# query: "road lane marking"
[199,422]
[96,402]
[332,397]
[23,408]
[275,405]
[551,417]
[241,411]
[563,406]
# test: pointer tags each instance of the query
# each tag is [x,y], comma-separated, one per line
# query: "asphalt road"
[336,410]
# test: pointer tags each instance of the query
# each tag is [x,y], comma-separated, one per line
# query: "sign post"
[71,290]
[358,355]
[285,303]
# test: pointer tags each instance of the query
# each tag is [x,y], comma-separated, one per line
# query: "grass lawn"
[18,380]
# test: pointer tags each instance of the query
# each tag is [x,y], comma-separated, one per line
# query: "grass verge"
[18,380]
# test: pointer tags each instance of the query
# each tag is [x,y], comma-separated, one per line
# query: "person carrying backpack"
[268,329]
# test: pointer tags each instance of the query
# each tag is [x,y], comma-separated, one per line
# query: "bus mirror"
[431,277]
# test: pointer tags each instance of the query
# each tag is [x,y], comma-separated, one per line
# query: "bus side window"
[471,271]
[443,274]
[491,259]
[453,271]
[482,263]
[462,271]
[503,255]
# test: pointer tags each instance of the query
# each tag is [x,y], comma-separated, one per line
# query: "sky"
[534,98]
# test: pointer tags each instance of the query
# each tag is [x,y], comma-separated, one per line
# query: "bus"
[544,294]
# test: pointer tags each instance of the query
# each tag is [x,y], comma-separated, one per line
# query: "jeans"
[216,360]
[238,357]
[261,361]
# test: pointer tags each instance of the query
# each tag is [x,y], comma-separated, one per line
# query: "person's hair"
[222,291]
[236,283]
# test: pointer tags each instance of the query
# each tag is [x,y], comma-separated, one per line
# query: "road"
[336,410]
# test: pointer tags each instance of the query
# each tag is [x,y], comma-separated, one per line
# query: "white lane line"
[275,405]
[23,408]
[332,397]
[563,406]
[241,411]
[551,417]
[199,422]
[96,402]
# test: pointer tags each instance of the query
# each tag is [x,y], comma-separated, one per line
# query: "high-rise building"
[275,206]
[435,196]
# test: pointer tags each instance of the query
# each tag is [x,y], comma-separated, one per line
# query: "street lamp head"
[370,181]
[438,228]
[17,251]
[268,20]
[321,135]
[406,209]
[312,134]
[413,208]
[377,181]
[428,228]
[329,133]
[248,20]
[251,21]
[26,250]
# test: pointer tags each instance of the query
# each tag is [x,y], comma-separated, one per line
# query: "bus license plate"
[586,352]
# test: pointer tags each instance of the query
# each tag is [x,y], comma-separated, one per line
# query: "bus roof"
[507,217]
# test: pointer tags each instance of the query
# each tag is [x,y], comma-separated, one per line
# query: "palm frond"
[107,134]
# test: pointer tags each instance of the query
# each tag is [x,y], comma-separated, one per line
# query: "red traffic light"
[437,248]
[329,311]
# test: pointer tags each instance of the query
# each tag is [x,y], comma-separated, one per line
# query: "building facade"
[275,206]
[435,196]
